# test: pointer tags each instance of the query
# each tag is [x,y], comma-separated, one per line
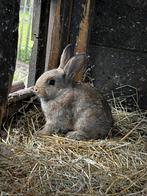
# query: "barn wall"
[9,15]
[118,47]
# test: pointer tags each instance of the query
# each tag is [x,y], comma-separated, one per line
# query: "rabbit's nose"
[36,90]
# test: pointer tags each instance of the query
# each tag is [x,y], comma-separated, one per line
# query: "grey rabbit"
[72,108]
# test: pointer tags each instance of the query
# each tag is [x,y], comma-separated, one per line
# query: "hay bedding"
[59,166]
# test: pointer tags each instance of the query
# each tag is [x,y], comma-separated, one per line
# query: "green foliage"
[24,44]
[24,55]
[17,76]
[24,50]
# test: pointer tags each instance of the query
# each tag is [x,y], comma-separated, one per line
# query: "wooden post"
[59,33]
[71,22]
[82,17]
[40,31]
[9,15]
[81,23]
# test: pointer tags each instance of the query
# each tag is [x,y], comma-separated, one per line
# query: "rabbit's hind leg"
[45,131]
[51,129]
[77,135]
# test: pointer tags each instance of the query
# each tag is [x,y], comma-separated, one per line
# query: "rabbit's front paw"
[76,135]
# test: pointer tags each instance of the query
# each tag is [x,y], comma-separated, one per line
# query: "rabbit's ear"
[75,65]
[67,53]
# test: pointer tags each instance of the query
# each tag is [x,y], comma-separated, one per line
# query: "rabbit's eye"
[51,82]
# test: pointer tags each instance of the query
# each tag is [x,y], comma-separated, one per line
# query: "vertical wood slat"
[9,12]
[82,23]
[81,26]
[71,24]
[36,19]
[40,31]
[60,31]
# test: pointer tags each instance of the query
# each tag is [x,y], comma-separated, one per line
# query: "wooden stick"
[20,95]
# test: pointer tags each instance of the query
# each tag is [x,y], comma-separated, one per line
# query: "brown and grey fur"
[72,108]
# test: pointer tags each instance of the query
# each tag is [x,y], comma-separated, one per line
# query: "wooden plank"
[84,25]
[33,64]
[121,27]
[36,19]
[60,31]
[9,12]
[20,95]
[23,98]
[118,48]
[40,29]
[82,18]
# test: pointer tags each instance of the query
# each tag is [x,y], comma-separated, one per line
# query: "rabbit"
[72,108]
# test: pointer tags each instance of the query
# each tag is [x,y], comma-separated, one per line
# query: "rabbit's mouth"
[42,94]
[36,90]
[39,92]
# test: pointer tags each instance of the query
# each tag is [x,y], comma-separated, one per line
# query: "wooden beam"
[18,100]
[82,17]
[40,30]
[60,31]
[70,23]
[20,95]
[85,27]
[9,17]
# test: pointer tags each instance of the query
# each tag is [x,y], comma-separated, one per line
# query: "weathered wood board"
[118,46]
[9,16]
[39,35]
[71,22]
[60,19]
[120,24]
